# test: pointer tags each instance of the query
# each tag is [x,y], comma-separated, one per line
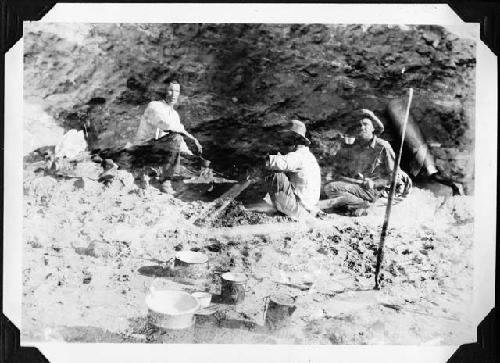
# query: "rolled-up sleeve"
[289,162]
[389,159]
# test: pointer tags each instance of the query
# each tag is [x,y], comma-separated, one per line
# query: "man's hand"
[318,213]
[368,183]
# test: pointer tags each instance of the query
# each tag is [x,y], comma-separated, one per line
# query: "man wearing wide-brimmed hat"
[371,161]
[294,179]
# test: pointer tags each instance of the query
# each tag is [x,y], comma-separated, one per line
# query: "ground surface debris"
[91,255]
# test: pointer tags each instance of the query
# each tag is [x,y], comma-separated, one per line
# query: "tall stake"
[380,251]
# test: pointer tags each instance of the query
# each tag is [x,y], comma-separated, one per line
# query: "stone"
[72,143]
[96,159]
[126,178]
[87,184]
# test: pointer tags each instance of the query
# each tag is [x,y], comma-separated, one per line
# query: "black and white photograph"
[249,183]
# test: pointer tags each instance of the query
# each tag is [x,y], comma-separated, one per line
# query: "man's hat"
[359,115]
[297,128]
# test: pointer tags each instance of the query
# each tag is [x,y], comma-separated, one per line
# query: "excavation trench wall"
[240,81]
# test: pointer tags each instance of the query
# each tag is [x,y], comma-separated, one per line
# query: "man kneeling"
[293,180]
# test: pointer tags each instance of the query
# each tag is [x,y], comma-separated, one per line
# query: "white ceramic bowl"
[171,309]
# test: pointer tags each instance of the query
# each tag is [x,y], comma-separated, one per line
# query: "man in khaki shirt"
[367,176]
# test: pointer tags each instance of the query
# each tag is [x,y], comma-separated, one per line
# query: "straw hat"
[378,127]
[297,128]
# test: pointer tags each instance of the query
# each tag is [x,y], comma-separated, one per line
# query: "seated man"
[368,174]
[294,179]
[161,122]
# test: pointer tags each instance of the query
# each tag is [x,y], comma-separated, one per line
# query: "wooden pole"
[380,251]
[225,200]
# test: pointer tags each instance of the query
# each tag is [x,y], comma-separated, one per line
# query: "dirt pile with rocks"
[237,215]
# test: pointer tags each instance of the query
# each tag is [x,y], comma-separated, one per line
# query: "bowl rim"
[201,293]
[187,255]
[191,311]
[234,276]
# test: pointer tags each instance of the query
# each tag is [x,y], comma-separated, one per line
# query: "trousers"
[170,144]
[351,196]
[165,154]
[283,196]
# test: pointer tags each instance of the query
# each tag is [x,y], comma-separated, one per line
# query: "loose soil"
[91,252]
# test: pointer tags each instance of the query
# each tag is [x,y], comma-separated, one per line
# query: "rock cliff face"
[241,80]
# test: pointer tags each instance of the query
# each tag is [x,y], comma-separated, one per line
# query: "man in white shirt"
[161,122]
[294,181]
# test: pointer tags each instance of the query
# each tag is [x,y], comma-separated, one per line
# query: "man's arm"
[389,163]
[289,162]
[383,177]
[195,141]
[388,159]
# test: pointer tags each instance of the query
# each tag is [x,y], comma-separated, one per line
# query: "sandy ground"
[91,253]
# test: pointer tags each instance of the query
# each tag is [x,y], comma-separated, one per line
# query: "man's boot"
[360,212]
[456,188]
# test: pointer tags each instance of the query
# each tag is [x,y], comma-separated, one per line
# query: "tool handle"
[380,253]
[226,199]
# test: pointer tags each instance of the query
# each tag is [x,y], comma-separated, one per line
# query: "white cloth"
[72,143]
[303,172]
[158,115]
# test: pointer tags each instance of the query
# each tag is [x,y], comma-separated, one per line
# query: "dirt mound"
[236,215]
